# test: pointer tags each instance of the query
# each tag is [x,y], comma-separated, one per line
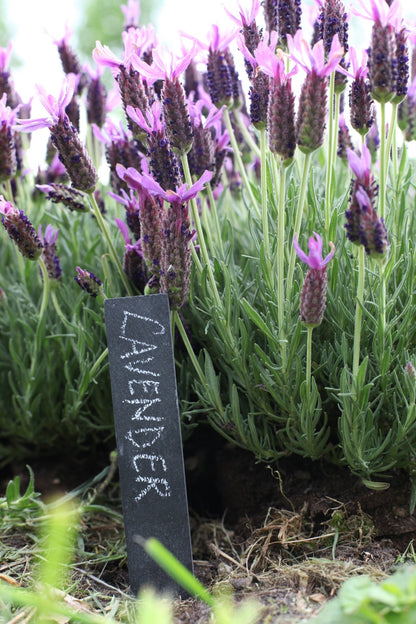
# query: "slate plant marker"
[147,424]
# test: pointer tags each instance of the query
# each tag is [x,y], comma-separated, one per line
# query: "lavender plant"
[211,203]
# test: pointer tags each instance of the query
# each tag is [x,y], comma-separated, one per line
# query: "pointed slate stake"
[146,415]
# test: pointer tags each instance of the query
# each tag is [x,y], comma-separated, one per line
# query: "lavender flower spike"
[72,152]
[20,229]
[49,253]
[90,283]
[313,296]
[314,260]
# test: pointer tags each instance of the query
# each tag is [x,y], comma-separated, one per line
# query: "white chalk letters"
[144,400]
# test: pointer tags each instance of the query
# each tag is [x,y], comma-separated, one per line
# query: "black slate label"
[146,415]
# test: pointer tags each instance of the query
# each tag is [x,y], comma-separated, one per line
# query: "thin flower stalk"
[237,156]
[358,312]
[112,250]
[298,220]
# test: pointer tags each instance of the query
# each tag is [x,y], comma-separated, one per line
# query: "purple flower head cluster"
[313,295]
[165,66]
[20,230]
[134,264]
[71,150]
[363,225]
[388,56]
[132,206]
[6,82]
[311,115]
[8,163]
[90,283]
[313,59]
[131,12]
[49,252]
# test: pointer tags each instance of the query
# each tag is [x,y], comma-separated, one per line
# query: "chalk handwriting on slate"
[150,469]
[148,432]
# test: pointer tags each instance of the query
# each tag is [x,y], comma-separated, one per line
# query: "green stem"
[382,310]
[298,221]
[8,190]
[201,238]
[383,167]
[112,250]
[40,328]
[281,260]
[176,320]
[263,187]
[214,213]
[98,363]
[308,362]
[330,163]
[358,311]
[248,137]
[237,156]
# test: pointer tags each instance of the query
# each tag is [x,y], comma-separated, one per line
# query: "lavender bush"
[217,184]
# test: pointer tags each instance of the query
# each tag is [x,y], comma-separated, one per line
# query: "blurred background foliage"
[103,20]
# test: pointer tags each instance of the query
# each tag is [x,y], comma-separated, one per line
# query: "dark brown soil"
[287,536]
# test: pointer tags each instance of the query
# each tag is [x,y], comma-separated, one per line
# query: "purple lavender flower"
[49,253]
[132,206]
[96,98]
[251,34]
[220,76]
[363,225]
[6,82]
[8,163]
[119,148]
[131,12]
[174,107]
[313,295]
[130,84]
[89,282]
[333,20]
[162,160]
[382,55]
[69,60]
[202,154]
[134,264]
[361,103]
[62,194]
[20,229]
[281,103]
[288,19]
[310,123]
[344,138]
[71,150]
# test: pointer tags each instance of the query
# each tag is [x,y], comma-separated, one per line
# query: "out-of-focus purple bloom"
[151,121]
[164,64]
[314,259]
[49,253]
[380,12]
[55,107]
[361,165]
[132,206]
[8,163]
[313,59]
[247,16]
[5,56]
[131,12]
